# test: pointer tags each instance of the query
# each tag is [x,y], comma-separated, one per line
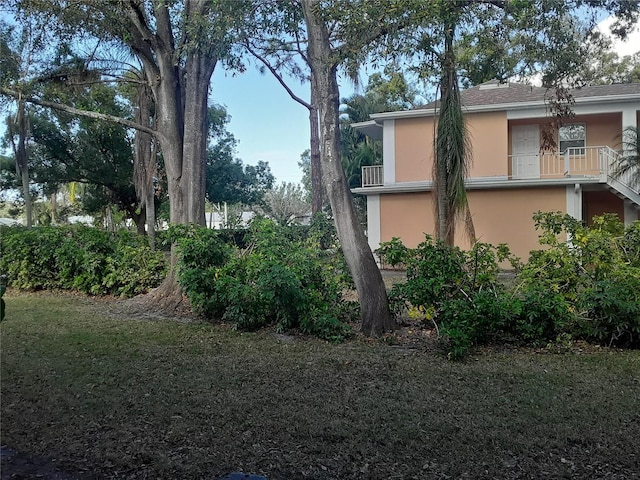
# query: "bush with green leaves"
[457,290]
[280,279]
[596,272]
[79,258]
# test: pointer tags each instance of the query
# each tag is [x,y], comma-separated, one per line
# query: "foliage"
[612,307]
[279,279]
[587,288]
[629,162]
[3,289]
[286,204]
[227,179]
[80,258]
[596,273]
[456,290]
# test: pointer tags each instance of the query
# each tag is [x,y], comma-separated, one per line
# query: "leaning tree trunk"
[374,303]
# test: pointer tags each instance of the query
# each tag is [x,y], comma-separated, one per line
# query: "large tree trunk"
[376,317]
[198,72]
[181,97]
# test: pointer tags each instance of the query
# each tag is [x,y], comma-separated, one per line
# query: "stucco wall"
[597,203]
[489,141]
[414,146]
[499,216]
[414,149]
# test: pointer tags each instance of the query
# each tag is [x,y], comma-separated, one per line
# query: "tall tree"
[452,151]
[276,43]
[324,59]
[98,154]
[178,44]
[16,51]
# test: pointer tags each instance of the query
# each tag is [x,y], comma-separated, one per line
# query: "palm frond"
[629,163]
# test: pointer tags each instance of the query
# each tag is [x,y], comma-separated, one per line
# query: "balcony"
[580,162]
[372,176]
[574,162]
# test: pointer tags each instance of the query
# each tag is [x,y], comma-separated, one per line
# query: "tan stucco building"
[512,176]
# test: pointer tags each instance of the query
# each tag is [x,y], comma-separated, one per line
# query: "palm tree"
[452,149]
[629,163]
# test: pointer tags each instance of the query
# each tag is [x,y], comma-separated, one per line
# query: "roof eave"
[429,112]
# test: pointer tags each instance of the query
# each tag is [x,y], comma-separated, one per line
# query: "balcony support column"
[373,223]
[574,201]
[389,152]
[630,212]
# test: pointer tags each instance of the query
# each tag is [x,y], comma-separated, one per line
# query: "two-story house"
[511,176]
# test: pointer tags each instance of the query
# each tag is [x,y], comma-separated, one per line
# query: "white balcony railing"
[595,162]
[372,176]
[574,161]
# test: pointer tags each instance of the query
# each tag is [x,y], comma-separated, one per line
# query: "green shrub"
[79,258]
[29,257]
[281,278]
[457,290]
[543,316]
[611,309]
[596,273]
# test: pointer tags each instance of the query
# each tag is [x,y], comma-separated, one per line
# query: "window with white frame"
[573,136]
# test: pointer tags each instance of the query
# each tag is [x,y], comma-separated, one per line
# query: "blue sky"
[269,125]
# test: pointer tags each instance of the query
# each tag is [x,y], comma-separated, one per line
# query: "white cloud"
[629,46]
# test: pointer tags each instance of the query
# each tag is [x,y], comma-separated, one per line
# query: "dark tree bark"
[376,317]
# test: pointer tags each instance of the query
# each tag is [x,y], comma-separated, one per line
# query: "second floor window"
[574,137]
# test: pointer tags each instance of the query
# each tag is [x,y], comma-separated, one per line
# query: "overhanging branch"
[277,75]
[84,113]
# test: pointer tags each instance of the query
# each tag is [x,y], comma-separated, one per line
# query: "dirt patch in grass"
[112,395]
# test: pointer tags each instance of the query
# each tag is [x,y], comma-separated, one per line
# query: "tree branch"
[277,75]
[76,111]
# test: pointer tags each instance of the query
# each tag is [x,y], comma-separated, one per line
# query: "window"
[574,136]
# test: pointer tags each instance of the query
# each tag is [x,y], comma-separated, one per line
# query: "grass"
[119,396]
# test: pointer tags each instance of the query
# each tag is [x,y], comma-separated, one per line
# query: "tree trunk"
[316,164]
[22,164]
[181,111]
[374,303]
[199,70]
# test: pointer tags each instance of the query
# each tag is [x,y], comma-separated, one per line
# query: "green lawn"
[122,396]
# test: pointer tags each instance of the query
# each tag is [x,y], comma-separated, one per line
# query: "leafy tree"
[608,67]
[286,204]
[177,46]
[95,153]
[228,180]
